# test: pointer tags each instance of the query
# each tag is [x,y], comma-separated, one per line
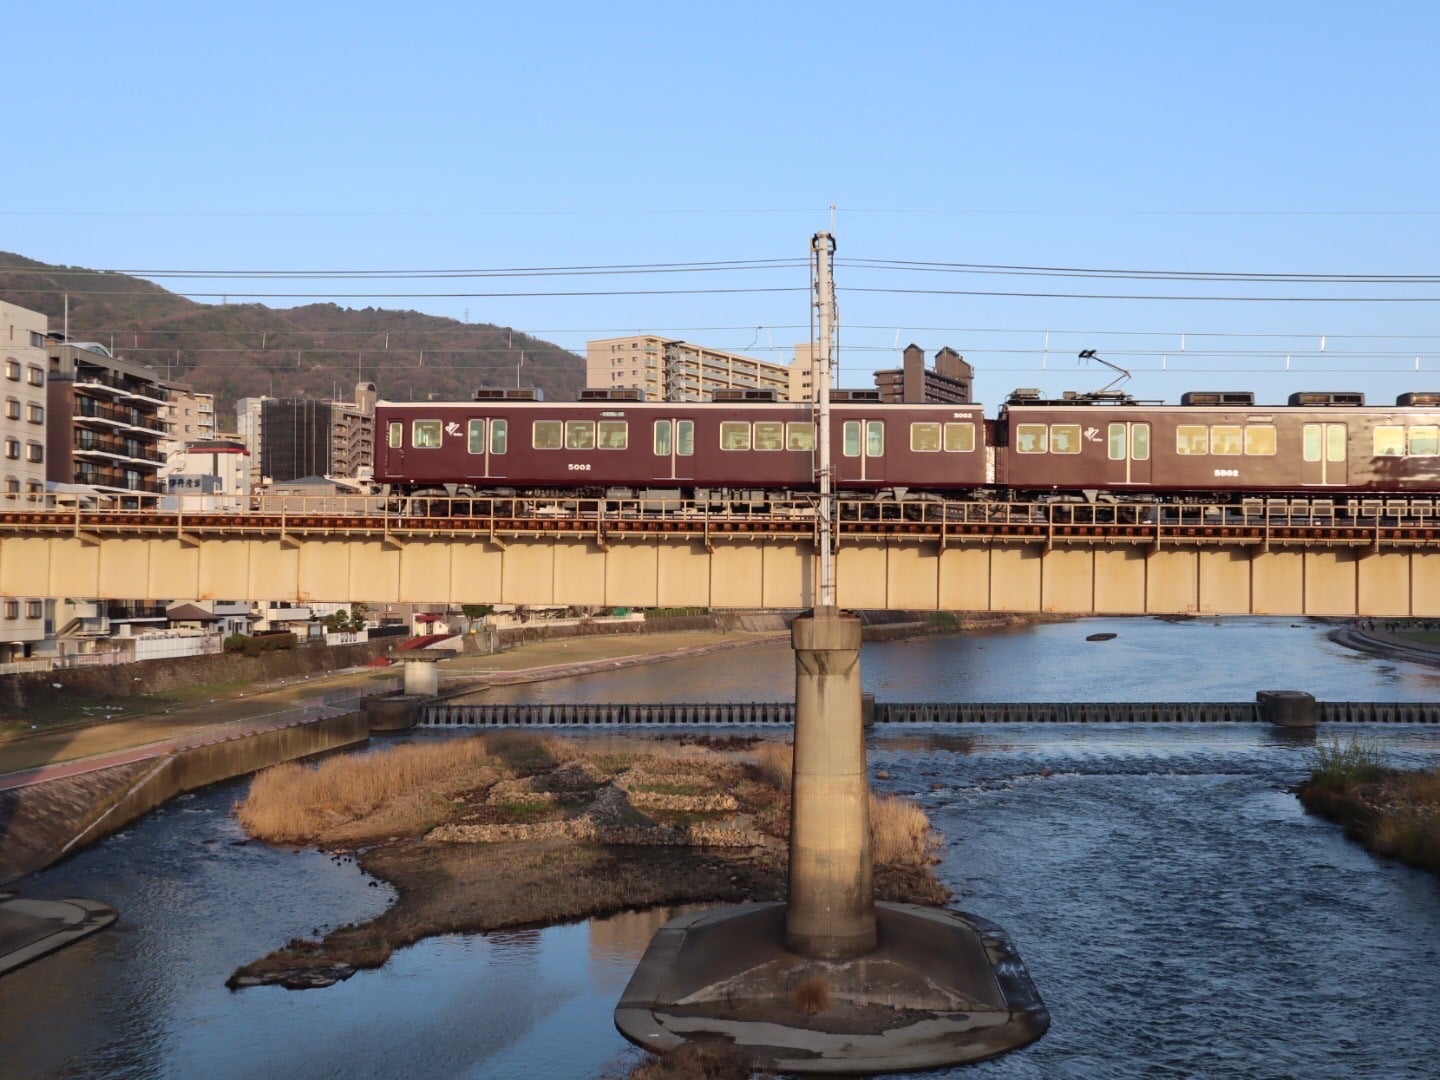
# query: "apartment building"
[22,470]
[951,381]
[190,415]
[295,437]
[670,370]
[106,419]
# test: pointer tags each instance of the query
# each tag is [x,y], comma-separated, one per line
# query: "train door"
[1323,454]
[487,442]
[862,452]
[1128,450]
[674,450]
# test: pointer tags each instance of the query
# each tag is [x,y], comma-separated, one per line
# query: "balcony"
[114,384]
[88,442]
[90,409]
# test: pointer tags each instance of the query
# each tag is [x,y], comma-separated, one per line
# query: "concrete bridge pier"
[422,674]
[831,909]
[831,981]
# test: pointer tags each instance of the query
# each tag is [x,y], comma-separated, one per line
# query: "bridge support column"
[958,990]
[830,914]
[422,676]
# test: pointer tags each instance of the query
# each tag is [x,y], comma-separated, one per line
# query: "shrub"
[1338,766]
[236,642]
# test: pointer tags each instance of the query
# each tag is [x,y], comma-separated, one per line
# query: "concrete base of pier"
[395,713]
[29,929]
[940,988]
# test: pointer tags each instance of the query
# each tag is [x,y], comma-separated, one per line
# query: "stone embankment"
[616,813]
[44,822]
[1367,637]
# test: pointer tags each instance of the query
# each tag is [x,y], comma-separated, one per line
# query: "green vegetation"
[672,789]
[343,621]
[1391,811]
[1338,766]
[1420,637]
[254,646]
[520,809]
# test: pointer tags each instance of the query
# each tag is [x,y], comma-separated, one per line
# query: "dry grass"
[294,802]
[900,833]
[776,763]
[811,995]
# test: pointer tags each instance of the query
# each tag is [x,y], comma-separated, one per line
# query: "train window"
[1116,433]
[769,435]
[662,438]
[850,438]
[1225,439]
[614,434]
[1424,441]
[475,437]
[425,435]
[1334,442]
[395,435]
[1139,442]
[1192,439]
[734,435]
[499,436]
[684,438]
[579,435]
[874,438]
[800,435]
[925,438]
[1312,442]
[1064,438]
[1260,439]
[1389,440]
[1030,438]
[547,435]
[960,438]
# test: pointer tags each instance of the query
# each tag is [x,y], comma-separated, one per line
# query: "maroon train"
[1215,446]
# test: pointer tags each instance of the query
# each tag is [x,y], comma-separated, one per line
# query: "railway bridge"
[1068,558]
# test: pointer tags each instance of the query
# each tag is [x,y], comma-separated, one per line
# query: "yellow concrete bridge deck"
[1289,557]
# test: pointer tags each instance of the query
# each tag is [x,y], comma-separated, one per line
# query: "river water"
[1179,913]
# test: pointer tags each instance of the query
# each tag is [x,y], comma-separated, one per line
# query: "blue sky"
[1249,138]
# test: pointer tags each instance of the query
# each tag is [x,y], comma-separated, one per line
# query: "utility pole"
[822,247]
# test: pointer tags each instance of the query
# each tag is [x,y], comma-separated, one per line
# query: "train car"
[616,447]
[1218,446]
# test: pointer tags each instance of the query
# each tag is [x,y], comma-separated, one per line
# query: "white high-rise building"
[22,466]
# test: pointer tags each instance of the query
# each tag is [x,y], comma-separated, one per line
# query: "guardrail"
[1345,522]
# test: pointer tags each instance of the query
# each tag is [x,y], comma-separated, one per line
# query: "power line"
[1142,275]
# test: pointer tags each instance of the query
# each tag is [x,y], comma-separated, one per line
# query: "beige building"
[190,415]
[951,381]
[670,370]
[22,469]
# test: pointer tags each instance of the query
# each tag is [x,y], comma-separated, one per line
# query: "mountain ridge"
[312,351]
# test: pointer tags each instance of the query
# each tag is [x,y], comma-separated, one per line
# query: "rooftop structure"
[951,381]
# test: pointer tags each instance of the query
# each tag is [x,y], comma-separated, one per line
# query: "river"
[1179,913]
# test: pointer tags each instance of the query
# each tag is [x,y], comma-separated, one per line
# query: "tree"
[475,612]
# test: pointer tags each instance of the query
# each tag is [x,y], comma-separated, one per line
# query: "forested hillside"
[319,350]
